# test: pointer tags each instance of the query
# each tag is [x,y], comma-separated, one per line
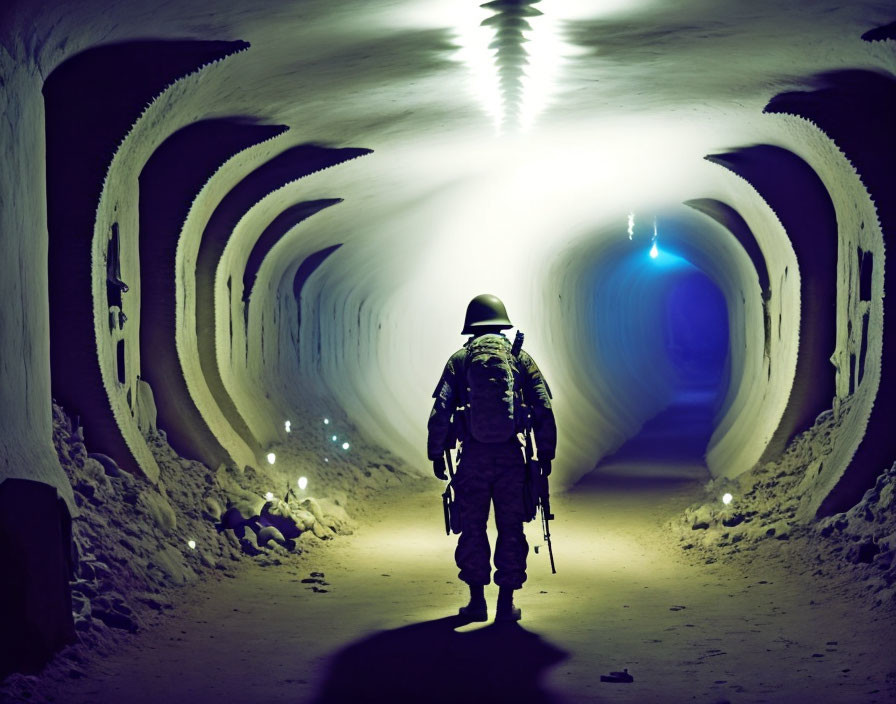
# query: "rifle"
[537,493]
[449,507]
[538,496]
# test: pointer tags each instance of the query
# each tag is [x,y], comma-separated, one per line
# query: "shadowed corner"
[432,662]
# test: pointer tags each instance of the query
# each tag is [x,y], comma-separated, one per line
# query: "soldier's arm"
[538,397]
[439,425]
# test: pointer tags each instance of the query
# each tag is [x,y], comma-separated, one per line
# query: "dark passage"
[673,443]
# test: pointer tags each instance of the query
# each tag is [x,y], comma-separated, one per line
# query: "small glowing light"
[269,496]
[326,459]
[288,426]
[631,225]
[345,446]
[303,482]
[334,438]
[272,458]
[726,498]
[654,251]
[191,544]
[326,421]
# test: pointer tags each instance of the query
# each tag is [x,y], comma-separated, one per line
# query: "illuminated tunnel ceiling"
[256,211]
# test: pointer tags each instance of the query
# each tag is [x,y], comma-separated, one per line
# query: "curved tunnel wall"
[218,298]
[801,202]
[238,351]
[353,319]
[853,110]
[92,100]
[168,182]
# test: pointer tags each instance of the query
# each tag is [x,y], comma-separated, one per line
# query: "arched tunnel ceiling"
[474,177]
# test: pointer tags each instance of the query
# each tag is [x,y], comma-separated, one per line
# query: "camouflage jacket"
[536,395]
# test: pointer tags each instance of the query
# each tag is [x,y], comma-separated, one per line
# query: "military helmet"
[485,311]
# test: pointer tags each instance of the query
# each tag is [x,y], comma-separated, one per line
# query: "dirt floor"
[378,626]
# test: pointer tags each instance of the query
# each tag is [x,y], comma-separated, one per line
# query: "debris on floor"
[858,545]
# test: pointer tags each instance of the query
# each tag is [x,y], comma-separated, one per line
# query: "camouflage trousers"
[491,473]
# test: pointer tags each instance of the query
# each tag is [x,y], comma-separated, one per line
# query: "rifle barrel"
[546,528]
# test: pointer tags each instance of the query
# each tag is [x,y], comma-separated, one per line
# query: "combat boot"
[476,610]
[506,611]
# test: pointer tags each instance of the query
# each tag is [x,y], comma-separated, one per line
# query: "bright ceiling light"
[513,52]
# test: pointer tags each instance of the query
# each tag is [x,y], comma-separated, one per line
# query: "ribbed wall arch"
[798,197]
[853,109]
[172,176]
[92,100]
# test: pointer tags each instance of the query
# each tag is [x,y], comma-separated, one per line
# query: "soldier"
[485,398]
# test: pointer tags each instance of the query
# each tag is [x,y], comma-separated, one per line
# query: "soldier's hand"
[546,467]
[438,468]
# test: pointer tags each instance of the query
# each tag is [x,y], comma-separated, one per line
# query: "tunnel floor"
[625,596]
[671,446]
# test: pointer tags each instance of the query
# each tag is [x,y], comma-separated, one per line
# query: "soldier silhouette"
[488,393]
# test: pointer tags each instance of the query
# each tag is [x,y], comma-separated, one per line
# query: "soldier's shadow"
[432,662]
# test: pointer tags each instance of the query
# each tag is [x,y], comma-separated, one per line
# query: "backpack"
[491,372]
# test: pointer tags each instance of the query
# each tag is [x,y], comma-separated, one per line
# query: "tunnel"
[238,245]
[661,327]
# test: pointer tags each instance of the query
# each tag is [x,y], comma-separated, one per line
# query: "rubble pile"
[135,540]
[764,501]
[865,537]
[858,545]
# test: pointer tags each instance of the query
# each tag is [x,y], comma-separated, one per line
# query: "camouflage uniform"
[491,472]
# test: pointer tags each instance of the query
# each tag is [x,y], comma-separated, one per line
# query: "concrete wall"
[381,314]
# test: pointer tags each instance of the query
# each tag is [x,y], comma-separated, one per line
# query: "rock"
[884,558]
[304,519]
[313,507]
[213,510]
[269,533]
[863,552]
[284,548]
[153,601]
[779,530]
[85,489]
[321,531]
[80,605]
[701,518]
[156,504]
[335,517]
[94,472]
[85,587]
[733,520]
[115,619]
[109,465]
[170,561]
[146,407]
